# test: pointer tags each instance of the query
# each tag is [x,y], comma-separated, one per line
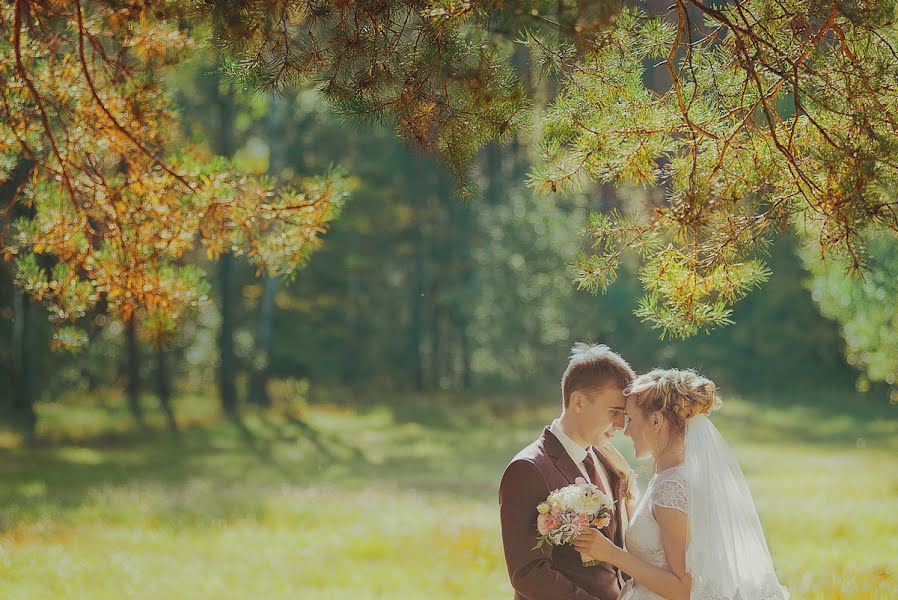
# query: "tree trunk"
[444,291]
[352,370]
[465,350]
[25,317]
[224,143]
[258,384]
[24,355]
[133,371]
[462,297]
[227,359]
[261,364]
[422,333]
[419,312]
[164,387]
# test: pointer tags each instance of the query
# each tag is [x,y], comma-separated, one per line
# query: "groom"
[577,444]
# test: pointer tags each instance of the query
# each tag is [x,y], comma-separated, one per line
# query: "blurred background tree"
[863,307]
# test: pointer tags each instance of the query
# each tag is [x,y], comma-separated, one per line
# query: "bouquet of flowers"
[569,511]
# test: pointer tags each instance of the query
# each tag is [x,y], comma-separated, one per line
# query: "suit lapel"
[563,461]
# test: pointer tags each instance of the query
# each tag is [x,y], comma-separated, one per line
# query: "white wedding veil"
[727,556]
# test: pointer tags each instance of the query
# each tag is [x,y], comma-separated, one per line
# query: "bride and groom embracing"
[693,535]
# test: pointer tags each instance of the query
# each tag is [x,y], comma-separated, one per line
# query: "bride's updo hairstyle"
[678,394]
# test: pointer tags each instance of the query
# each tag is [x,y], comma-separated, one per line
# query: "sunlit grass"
[395,503]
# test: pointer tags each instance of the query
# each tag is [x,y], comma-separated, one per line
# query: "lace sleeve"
[669,491]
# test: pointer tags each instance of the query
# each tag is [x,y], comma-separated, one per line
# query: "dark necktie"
[593,472]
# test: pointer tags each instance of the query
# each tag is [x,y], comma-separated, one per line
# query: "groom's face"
[603,412]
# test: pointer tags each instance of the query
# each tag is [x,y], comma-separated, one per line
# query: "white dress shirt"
[578,453]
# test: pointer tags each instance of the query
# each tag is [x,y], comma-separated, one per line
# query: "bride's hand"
[596,545]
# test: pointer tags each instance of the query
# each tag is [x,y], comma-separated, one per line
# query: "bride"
[695,534]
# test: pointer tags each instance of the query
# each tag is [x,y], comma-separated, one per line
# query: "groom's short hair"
[594,366]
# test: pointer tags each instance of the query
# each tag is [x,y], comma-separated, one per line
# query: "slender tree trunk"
[419,314]
[438,359]
[261,364]
[428,270]
[164,387]
[227,359]
[225,146]
[442,281]
[460,307]
[133,371]
[24,354]
[351,370]
[465,350]
[422,337]
[24,338]
[258,384]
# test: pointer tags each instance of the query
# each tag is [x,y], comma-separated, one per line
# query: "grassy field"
[390,502]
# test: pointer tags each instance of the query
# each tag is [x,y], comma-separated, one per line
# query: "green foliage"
[445,85]
[69,338]
[746,115]
[733,165]
[116,199]
[863,303]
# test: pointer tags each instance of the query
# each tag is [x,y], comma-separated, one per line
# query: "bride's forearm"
[661,581]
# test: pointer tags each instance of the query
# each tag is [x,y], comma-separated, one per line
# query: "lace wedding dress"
[643,537]
[727,556]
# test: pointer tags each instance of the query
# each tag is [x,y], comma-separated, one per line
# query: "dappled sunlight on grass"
[389,502]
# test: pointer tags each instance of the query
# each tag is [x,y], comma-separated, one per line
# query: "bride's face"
[640,429]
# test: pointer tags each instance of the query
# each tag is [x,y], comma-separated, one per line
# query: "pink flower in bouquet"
[602,522]
[569,511]
[546,523]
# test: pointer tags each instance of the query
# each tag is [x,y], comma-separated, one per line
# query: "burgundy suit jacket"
[551,572]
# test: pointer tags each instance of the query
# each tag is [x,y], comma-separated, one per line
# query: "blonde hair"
[594,366]
[678,394]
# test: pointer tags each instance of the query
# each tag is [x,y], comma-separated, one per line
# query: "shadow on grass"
[57,476]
